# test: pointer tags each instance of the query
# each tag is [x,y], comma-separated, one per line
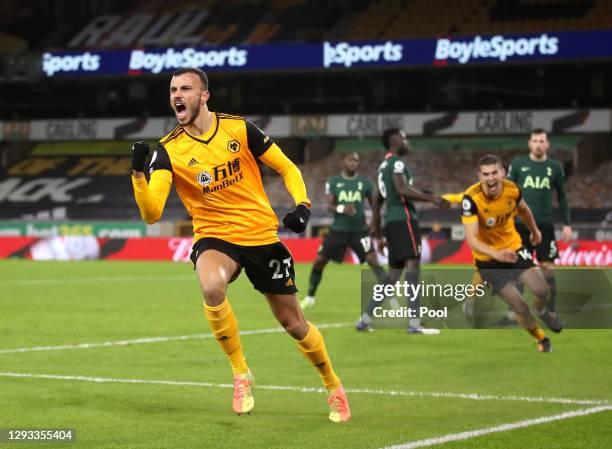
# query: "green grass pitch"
[74,303]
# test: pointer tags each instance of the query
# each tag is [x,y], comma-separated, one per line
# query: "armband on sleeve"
[257,141]
[469,211]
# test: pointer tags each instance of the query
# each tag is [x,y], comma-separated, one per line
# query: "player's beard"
[194,112]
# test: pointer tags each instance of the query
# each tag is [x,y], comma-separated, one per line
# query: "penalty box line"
[149,340]
[366,391]
[500,428]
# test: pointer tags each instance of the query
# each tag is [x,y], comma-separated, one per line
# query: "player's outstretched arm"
[297,220]
[276,159]
[376,204]
[150,196]
[412,194]
[527,217]
[453,198]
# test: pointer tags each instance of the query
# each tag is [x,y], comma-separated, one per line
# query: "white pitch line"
[484,397]
[500,428]
[147,340]
[148,278]
[309,389]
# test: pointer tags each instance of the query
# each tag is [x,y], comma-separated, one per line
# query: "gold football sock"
[530,325]
[537,332]
[313,347]
[225,329]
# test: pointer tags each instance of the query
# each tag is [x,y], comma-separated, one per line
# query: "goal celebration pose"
[212,159]
[488,209]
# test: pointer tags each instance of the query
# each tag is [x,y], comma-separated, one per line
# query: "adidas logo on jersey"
[192,162]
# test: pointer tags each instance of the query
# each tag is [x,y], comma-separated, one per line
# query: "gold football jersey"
[218,180]
[495,216]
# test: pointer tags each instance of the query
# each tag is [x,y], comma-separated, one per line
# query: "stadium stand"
[394,19]
[585,191]
[255,22]
[93,184]
[70,180]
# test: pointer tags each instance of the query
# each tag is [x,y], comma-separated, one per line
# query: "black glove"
[298,219]
[140,151]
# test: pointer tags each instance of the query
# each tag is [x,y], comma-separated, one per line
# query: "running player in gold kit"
[212,159]
[488,210]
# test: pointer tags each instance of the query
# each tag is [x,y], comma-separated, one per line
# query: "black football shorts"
[270,267]
[403,241]
[498,274]
[547,249]
[336,242]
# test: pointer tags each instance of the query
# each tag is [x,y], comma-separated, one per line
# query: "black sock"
[371,306]
[552,283]
[315,279]
[380,274]
[412,278]
[382,279]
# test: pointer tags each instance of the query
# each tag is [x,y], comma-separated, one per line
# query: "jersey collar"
[208,135]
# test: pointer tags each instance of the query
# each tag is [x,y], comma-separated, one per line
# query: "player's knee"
[541,291]
[294,326]
[214,294]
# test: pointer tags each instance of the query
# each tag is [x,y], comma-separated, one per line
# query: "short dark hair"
[536,131]
[201,74]
[387,135]
[489,159]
